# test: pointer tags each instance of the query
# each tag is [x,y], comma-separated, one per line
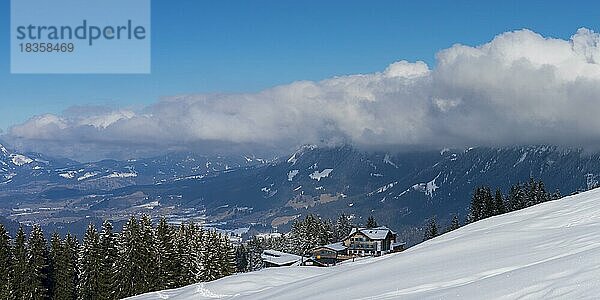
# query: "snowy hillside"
[548,251]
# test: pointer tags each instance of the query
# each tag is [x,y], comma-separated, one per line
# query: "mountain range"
[245,192]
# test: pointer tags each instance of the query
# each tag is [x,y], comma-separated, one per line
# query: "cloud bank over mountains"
[520,88]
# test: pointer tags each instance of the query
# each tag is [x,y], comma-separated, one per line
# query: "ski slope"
[549,251]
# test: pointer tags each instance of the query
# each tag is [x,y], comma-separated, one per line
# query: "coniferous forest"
[143,257]
[485,203]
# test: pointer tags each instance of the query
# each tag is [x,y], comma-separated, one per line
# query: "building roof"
[377,233]
[339,246]
[279,258]
[396,244]
[267,236]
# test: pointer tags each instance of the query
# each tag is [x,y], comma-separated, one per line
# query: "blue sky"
[245,46]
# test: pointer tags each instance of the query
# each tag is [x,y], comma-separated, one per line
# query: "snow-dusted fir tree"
[37,263]
[482,204]
[147,256]
[128,269]
[196,248]
[255,250]
[212,269]
[309,233]
[66,269]
[304,234]
[455,223]
[326,234]
[499,205]
[89,263]
[19,265]
[53,258]
[371,223]
[343,226]
[182,261]
[489,207]
[241,258]
[531,192]
[108,255]
[165,254]
[5,263]
[517,197]
[279,243]
[227,256]
[431,229]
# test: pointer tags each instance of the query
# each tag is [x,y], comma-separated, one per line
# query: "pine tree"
[197,246]
[499,206]
[147,256]
[37,261]
[531,193]
[128,270]
[20,266]
[342,227]
[516,197]
[431,230]
[556,195]
[227,259]
[165,255]
[108,254]
[489,207]
[5,264]
[54,257]
[309,233]
[542,194]
[211,261]
[280,243]
[241,258]
[255,251]
[477,208]
[66,270]
[89,264]
[455,224]
[325,232]
[371,223]
[183,259]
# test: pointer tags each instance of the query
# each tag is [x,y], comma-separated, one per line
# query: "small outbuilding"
[330,254]
[274,258]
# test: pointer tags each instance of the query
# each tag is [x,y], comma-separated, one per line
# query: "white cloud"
[520,88]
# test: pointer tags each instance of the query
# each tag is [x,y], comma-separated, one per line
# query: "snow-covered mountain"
[548,251]
[400,189]
[18,169]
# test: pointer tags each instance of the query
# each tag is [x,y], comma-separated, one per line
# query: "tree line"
[521,195]
[108,265]
[485,204]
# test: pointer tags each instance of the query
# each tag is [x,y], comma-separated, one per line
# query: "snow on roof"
[339,246]
[270,235]
[377,233]
[396,244]
[278,257]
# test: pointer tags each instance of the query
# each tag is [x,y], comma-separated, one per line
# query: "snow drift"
[548,251]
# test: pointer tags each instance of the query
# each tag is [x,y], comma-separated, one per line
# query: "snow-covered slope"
[549,251]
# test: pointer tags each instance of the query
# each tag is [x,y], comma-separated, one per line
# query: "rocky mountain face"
[401,190]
